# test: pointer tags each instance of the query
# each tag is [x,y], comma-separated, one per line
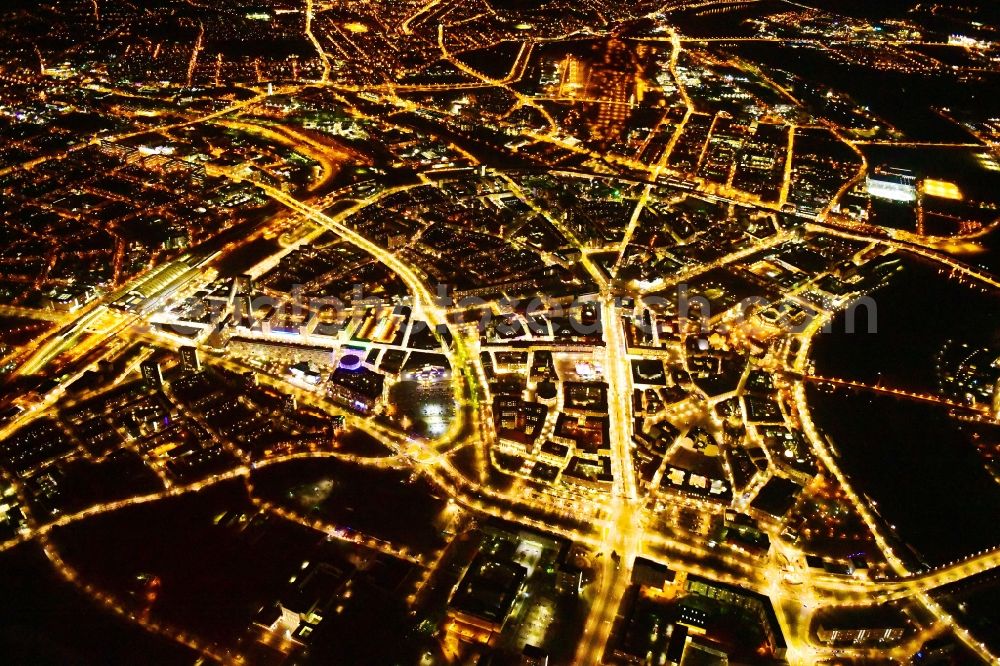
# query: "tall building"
[152,374]
[533,656]
[996,400]
[243,311]
[190,359]
[244,285]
